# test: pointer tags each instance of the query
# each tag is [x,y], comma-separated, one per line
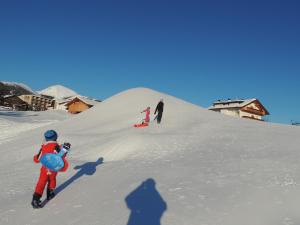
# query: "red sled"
[140,125]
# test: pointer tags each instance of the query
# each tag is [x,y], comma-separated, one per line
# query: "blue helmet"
[50,135]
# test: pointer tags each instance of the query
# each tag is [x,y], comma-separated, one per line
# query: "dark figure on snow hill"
[160,110]
[46,176]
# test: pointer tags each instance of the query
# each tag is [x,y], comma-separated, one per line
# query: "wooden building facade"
[79,104]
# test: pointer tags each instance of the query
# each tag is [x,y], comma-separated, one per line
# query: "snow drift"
[196,168]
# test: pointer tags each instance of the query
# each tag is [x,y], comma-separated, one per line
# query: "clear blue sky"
[199,51]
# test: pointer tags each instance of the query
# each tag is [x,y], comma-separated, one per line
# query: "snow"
[58,91]
[5,108]
[12,123]
[232,104]
[208,169]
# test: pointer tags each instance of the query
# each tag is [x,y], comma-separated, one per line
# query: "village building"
[15,103]
[248,108]
[38,102]
[79,104]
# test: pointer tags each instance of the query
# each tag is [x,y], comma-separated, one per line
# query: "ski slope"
[196,168]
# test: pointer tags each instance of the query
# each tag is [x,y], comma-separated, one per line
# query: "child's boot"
[50,194]
[36,202]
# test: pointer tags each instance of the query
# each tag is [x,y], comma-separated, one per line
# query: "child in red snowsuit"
[46,176]
[147,118]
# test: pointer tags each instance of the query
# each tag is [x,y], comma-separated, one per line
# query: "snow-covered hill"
[58,91]
[8,88]
[196,168]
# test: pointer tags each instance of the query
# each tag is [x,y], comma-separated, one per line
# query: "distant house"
[79,104]
[15,103]
[248,108]
[38,102]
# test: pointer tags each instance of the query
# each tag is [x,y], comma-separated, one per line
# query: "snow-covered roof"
[62,101]
[237,103]
[5,108]
[7,96]
[65,100]
[84,99]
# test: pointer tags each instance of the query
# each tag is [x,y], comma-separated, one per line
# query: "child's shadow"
[88,169]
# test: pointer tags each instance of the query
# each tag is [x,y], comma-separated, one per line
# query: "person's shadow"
[88,169]
[146,205]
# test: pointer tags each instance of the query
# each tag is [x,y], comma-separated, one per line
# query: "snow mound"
[58,91]
[196,167]
[117,115]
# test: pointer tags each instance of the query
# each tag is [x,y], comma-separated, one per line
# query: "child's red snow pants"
[46,176]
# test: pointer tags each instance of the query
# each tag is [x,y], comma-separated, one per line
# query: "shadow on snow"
[146,204]
[88,169]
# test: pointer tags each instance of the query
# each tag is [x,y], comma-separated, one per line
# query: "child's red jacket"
[50,147]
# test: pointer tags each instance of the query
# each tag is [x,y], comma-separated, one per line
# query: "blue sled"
[54,162]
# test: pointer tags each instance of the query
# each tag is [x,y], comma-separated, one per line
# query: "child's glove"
[65,149]
[67,146]
[37,156]
[36,159]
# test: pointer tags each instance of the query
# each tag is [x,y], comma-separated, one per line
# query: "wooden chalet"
[79,104]
[249,108]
